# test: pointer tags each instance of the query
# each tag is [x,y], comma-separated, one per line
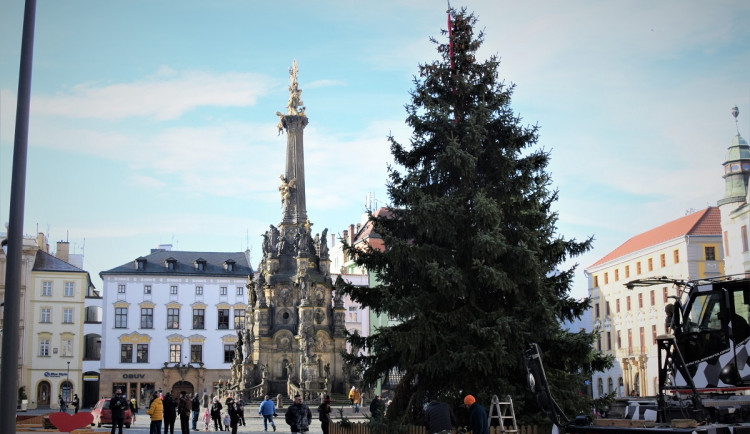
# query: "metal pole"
[10,347]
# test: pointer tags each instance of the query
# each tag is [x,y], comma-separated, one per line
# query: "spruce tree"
[472,254]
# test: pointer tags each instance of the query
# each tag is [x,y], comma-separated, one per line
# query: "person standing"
[477,416]
[298,416]
[61,402]
[183,410]
[357,399]
[133,408]
[156,411]
[234,414]
[216,414]
[117,406]
[196,407]
[170,413]
[351,395]
[439,417]
[376,407]
[241,408]
[267,410]
[76,403]
[324,414]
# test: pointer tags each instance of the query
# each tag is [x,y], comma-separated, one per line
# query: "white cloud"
[166,95]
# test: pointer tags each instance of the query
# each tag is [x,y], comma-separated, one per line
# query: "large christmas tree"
[471,264]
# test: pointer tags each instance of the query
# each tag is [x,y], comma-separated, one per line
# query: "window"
[353,313]
[147,289]
[617,306]
[596,281]
[67,347]
[223,318]
[198,290]
[199,316]
[627,301]
[173,318]
[599,344]
[596,310]
[637,271]
[630,341]
[710,252]
[47,288]
[240,290]
[126,353]
[650,264]
[141,354]
[676,256]
[44,347]
[653,333]
[606,278]
[666,294]
[228,353]
[609,341]
[223,290]
[619,340]
[617,275]
[147,318]
[726,244]
[69,289]
[175,353]
[121,317]
[239,319]
[743,233]
[46,315]
[68,315]
[627,271]
[196,353]
[663,260]
[607,307]
[653,297]
[640,301]
[173,290]
[121,289]
[642,340]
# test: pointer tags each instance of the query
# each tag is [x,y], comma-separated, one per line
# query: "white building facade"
[170,322]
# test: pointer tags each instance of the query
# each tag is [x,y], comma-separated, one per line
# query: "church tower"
[295,330]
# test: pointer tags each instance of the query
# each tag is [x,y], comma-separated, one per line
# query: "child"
[227,420]
[207,418]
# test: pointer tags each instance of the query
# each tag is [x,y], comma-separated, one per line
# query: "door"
[42,394]
[180,386]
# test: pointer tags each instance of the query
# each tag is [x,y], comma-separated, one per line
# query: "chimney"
[63,251]
[351,234]
[345,235]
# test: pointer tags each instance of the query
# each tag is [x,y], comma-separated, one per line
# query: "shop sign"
[133,376]
[90,378]
[54,374]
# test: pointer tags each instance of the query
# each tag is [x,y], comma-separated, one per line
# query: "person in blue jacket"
[268,411]
[478,423]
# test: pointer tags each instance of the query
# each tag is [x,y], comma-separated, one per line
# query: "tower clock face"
[735,167]
[746,166]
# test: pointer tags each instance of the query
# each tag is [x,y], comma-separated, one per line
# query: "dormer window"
[229,265]
[170,263]
[200,264]
[140,263]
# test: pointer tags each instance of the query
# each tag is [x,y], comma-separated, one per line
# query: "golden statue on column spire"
[295,106]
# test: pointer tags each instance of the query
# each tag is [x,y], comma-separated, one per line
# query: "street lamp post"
[67,381]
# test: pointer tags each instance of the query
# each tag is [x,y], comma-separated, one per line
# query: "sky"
[154,122]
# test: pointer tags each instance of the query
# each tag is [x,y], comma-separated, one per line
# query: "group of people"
[165,410]
[233,417]
[64,405]
[439,417]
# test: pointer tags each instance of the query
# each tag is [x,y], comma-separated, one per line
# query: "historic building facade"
[630,319]
[171,321]
[735,211]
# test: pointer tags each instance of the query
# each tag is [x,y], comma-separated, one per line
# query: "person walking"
[324,414]
[76,403]
[357,399]
[477,416]
[298,416]
[195,406]
[156,411]
[170,413]
[133,408]
[183,410]
[267,409]
[351,395]
[439,417]
[241,408]
[61,402]
[234,414]
[117,406]
[216,414]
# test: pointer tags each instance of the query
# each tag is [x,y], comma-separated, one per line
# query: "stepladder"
[504,413]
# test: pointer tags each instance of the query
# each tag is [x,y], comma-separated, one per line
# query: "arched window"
[620,387]
[610,385]
[600,387]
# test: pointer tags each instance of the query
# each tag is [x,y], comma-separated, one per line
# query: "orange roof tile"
[704,222]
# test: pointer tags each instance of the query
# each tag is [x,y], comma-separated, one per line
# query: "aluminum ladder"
[503,411]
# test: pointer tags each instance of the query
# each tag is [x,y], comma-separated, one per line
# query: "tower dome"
[736,168]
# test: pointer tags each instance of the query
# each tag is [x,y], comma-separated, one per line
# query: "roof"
[704,222]
[367,233]
[185,264]
[46,262]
